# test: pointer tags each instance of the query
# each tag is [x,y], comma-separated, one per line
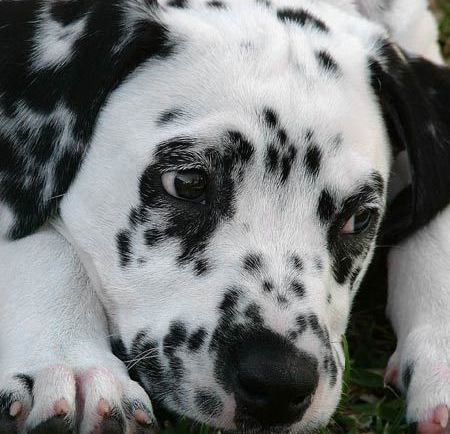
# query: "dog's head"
[229,206]
[230,201]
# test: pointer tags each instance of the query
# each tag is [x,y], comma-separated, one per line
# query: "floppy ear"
[415,98]
[48,112]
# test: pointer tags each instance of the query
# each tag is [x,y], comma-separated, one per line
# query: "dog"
[191,192]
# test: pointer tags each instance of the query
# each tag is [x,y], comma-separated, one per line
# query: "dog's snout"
[274,382]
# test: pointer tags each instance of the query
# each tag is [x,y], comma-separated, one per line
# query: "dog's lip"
[167,417]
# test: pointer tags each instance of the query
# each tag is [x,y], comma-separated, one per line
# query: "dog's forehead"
[237,65]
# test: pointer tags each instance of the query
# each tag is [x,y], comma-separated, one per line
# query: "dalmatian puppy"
[190,194]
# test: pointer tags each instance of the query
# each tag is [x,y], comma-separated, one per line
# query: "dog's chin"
[166,417]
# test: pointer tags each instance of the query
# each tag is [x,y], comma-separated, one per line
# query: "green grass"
[366,405]
[443,13]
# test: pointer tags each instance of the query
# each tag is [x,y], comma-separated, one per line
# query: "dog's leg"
[419,308]
[57,372]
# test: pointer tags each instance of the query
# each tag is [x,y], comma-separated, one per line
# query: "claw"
[103,408]
[141,417]
[441,416]
[15,409]
[61,407]
[437,424]
[391,374]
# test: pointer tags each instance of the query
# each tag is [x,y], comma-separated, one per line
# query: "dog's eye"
[358,222]
[185,184]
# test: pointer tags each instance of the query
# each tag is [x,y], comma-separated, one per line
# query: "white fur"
[231,64]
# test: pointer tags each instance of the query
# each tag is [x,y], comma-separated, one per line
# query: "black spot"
[197,339]
[313,158]
[302,17]
[268,286]
[244,150]
[134,217]
[253,313]
[252,262]
[170,115]
[319,331]
[318,264]
[313,322]
[286,163]
[230,300]
[208,403]
[342,268]
[177,368]
[266,3]
[216,4]
[177,3]
[123,241]
[175,338]
[292,335]
[337,141]
[333,373]
[27,381]
[153,237]
[296,262]
[326,61]
[282,299]
[298,288]
[144,352]
[329,298]
[272,158]
[118,348]
[271,118]
[302,323]
[201,267]
[407,375]
[326,208]
[282,136]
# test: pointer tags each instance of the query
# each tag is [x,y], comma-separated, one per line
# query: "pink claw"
[391,376]
[142,417]
[15,409]
[441,416]
[437,424]
[103,408]
[61,407]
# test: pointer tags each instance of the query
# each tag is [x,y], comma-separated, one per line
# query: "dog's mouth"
[169,419]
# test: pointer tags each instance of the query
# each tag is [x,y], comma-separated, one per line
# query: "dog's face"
[228,209]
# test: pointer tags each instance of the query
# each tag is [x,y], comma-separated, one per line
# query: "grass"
[366,405]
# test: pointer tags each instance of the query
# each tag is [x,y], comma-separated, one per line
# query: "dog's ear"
[414,95]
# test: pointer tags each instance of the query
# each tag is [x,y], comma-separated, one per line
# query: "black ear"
[40,155]
[415,98]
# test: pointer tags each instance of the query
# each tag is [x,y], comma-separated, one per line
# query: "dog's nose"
[274,382]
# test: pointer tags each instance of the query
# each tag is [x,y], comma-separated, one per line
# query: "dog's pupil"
[362,220]
[190,184]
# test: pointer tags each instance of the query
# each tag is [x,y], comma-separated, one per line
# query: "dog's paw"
[59,399]
[420,367]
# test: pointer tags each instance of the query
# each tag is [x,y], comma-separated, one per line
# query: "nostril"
[299,400]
